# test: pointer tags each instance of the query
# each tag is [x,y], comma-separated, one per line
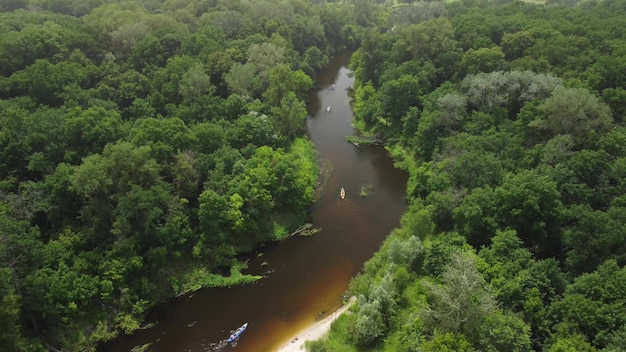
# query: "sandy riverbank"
[314,332]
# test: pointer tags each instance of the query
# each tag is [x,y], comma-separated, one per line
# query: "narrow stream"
[305,276]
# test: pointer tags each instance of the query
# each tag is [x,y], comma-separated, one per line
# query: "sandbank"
[315,331]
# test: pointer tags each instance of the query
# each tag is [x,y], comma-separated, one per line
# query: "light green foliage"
[404,252]
[617,340]
[282,81]
[172,80]
[369,323]
[242,80]
[461,303]
[488,90]
[196,82]
[366,105]
[452,107]
[574,343]
[253,128]
[557,149]
[313,60]
[202,277]
[304,162]
[253,77]
[124,162]
[521,282]
[574,111]
[212,214]
[164,136]
[446,342]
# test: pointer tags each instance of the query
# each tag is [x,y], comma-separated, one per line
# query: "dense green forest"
[145,145]
[509,118]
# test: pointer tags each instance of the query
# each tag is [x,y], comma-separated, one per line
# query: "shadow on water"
[305,277]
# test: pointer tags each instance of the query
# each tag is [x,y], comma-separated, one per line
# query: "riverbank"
[315,331]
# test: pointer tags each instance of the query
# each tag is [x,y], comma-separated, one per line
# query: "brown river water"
[305,277]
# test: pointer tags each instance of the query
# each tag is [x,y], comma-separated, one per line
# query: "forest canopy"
[509,118]
[145,145]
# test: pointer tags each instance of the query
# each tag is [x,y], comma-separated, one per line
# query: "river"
[306,277]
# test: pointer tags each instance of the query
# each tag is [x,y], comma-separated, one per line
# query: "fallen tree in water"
[305,230]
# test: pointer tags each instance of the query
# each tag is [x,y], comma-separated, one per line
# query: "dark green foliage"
[592,304]
[514,146]
[127,168]
[125,158]
[593,237]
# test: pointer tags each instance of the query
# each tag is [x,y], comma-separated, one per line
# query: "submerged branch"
[305,230]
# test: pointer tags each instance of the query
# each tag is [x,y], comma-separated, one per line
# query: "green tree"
[290,115]
[574,111]
[593,237]
[10,338]
[575,343]
[369,323]
[482,60]
[397,96]
[592,305]
[313,60]
[531,205]
[366,103]
[447,342]
[212,212]
[475,216]
[123,193]
[196,82]
[282,81]
[165,136]
[504,332]
[461,303]
[514,45]
[242,79]
[88,131]
[44,81]
[253,128]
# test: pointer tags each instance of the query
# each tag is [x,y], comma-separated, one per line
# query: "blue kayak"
[237,333]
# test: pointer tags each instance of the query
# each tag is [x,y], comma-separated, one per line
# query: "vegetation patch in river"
[202,277]
[365,190]
[325,168]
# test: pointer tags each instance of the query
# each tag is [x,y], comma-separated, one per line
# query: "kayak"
[342,193]
[237,333]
